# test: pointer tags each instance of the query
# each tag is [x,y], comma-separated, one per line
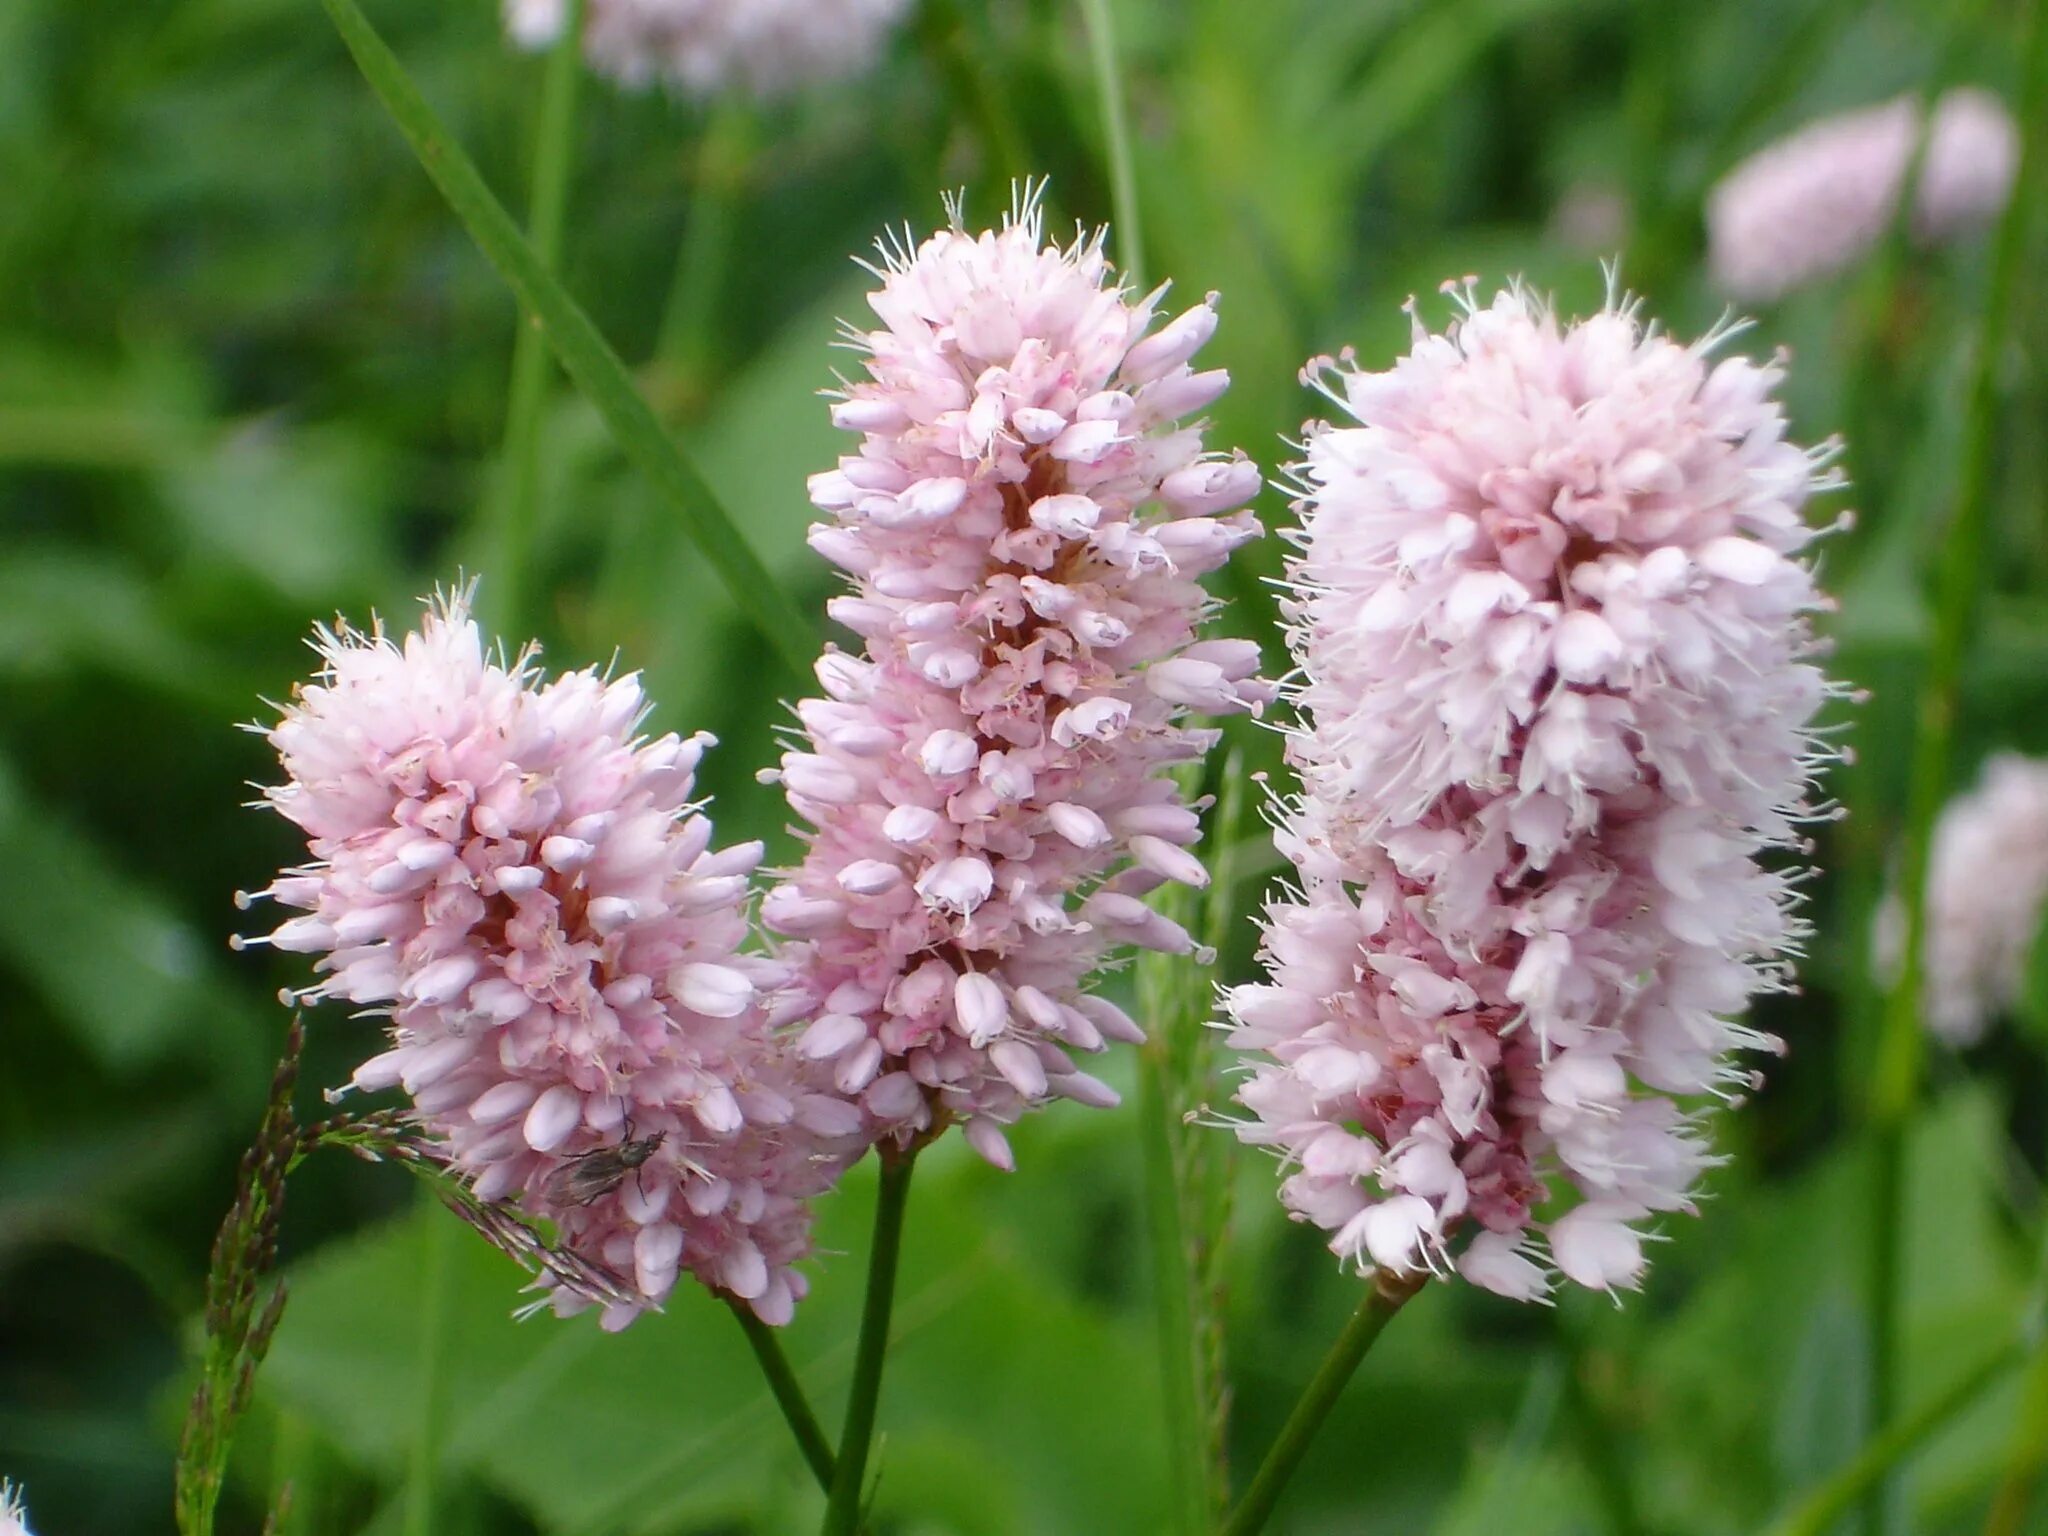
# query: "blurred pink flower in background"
[1815,202]
[13,1510]
[1987,885]
[1556,686]
[520,886]
[705,47]
[1025,522]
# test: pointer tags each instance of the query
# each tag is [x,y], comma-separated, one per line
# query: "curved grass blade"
[583,351]
[1816,1514]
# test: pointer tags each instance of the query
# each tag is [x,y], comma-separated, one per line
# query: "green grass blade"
[583,351]
[1116,137]
[1816,1514]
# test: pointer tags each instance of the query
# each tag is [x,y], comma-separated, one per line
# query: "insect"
[589,1176]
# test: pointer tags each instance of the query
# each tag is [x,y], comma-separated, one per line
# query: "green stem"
[789,1392]
[1116,133]
[553,155]
[1816,1514]
[436,1300]
[1386,1297]
[1188,1476]
[1901,1041]
[724,167]
[942,28]
[842,1513]
[583,351]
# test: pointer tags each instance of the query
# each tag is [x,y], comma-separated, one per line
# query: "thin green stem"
[1816,1514]
[697,294]
[1386,1297]
[436,1301]
[789,1392]
[942,28]
[842,1512]
[583,351]
[1173,1313]
[1186,1186]
[519,498]
[1958,585]
[1116,135]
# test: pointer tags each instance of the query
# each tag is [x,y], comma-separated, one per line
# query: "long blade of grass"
[1116,138]
[583,351]
[1816,1514]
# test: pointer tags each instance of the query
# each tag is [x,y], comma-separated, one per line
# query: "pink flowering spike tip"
[1551,620]
[1980,932]
[1814,203]
[520,885]
[702,48]
[1025,521]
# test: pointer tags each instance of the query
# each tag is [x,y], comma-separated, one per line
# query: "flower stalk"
[842,1513]
[1388,1294]
[788,1392]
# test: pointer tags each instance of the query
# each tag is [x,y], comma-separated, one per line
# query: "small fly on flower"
[589,1176]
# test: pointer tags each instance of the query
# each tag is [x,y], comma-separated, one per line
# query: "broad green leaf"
[134,982]
[667,1427]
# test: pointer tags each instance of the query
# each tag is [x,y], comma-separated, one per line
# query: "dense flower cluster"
[1551,619]
[1025,523]
[1813,203]
[705,47]
[1987,885]
[523,889]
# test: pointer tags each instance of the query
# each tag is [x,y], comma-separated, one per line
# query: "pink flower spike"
[1980,932]
[1551,617]
[701,48]
[1025,521]
[520,885]
[1814,203]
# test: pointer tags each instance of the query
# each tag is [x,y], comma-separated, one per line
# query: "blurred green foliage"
[252,373]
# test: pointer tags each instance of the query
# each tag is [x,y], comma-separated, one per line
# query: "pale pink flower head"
[1987,887]
[519,884]
[1815,202]
[1025,522]
[1555,701]
[702,48]
[13,1510]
